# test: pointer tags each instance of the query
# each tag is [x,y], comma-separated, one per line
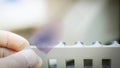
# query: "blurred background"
[83,20]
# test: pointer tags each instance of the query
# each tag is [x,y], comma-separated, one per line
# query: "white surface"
[79,54]
[89,21]
[21,13]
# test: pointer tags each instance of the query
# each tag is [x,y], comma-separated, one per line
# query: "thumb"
[23,59]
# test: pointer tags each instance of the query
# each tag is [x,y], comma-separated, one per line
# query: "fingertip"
[12,41]
[31,58]
[23,59]
[38,64]
[16,42]
[3,38]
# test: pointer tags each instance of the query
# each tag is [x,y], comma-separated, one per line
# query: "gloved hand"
[13,52]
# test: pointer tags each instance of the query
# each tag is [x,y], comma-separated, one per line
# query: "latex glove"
[13,53]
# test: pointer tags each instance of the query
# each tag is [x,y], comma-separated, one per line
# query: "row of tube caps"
[94,44]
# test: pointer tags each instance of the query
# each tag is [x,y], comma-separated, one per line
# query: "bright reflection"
[21,13]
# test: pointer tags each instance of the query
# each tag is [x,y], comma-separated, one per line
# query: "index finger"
[12,41]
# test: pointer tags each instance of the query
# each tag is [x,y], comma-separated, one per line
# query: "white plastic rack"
[81,56]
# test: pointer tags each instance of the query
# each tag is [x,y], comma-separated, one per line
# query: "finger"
[22,59]
[37,65]
[12,41]
[5,52]
[16,42]
[3,38]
